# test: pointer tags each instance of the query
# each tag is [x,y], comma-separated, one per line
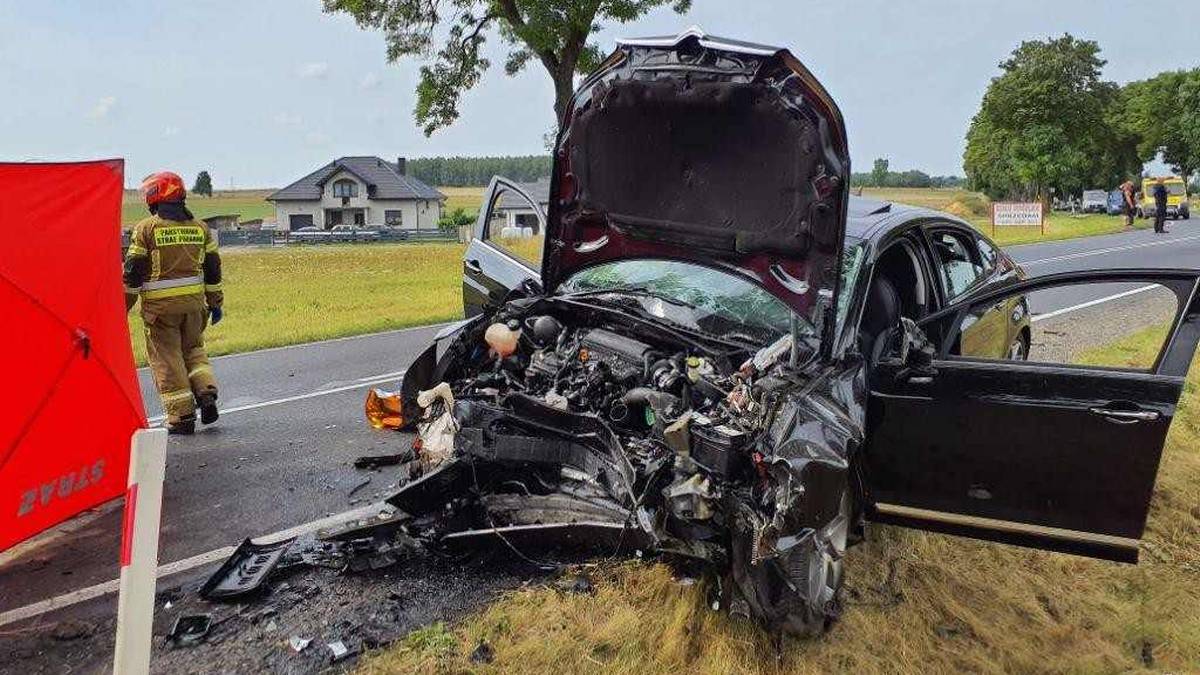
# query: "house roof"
[383,179]
[539,190]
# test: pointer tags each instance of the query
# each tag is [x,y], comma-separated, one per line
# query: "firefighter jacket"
[173,265]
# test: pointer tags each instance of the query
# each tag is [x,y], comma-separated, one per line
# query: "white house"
[366,191]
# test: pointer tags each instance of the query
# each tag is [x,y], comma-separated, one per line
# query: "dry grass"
[465,198]
[916,603]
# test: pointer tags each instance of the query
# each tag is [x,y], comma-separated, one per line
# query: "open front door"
[1059,451]
[505,252]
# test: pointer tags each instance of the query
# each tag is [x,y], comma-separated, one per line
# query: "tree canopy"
[1163,112]
[449,36]
[1049,123]
[462,171]
[203,185]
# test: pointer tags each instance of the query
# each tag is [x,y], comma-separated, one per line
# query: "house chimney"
[400,168]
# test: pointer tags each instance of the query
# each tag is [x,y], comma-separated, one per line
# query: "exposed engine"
[555,423]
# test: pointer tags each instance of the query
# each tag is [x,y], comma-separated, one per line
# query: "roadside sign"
[1018,213]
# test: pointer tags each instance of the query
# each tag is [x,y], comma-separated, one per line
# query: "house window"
[345,188]
[393,217]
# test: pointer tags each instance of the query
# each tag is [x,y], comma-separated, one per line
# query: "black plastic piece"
[190,629]
[720,449]
[244,572]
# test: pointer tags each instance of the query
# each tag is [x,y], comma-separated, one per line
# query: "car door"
[1057,453]
[501,257]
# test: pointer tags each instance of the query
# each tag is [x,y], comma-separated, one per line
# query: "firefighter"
[173,265]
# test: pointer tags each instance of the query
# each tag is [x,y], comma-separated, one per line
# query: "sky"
[260,92]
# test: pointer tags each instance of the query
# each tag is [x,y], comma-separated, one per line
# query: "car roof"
[872,218]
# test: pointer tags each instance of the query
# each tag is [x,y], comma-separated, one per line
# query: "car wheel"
[798,590]
[1019,349]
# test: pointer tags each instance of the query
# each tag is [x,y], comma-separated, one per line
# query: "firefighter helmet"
[163,186]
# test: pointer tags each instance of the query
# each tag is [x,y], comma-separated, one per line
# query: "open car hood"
[708,150]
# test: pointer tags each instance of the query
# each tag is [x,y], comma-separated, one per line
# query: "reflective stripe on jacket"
[170,259]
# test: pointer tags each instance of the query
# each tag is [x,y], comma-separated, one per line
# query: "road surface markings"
[358,384]
[318,343]
[1104,251]
[1092,303]
[100,590]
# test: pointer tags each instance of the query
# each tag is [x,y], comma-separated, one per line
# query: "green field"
[915,603]
[285,296]
[250,204]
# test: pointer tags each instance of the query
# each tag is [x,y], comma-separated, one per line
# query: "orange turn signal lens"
[383,409]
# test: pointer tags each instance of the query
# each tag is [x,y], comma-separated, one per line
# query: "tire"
[1019,349]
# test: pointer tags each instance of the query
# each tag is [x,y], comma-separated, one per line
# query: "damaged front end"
[561,423]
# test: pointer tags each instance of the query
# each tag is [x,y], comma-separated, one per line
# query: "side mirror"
[915,353]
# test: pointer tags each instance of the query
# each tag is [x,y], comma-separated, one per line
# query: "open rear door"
[505,252]
[1059,451]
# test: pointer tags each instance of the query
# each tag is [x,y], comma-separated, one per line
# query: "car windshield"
[1174,188]
[691,295]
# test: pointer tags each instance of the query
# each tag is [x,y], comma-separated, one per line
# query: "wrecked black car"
[722,357]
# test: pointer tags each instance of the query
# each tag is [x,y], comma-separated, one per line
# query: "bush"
[969,206]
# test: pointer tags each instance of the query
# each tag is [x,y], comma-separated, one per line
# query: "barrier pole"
[139,551]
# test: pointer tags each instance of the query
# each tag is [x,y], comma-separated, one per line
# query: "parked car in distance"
[1094,201]
[310,234]
[1177,198]
[352,233]
[1115,204]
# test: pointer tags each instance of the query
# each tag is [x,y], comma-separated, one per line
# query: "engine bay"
[562,422]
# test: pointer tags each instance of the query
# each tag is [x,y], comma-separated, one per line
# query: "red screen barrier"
[70,398]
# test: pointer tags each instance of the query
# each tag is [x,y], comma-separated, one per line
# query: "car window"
[987,255]
[959,261]
[514,226]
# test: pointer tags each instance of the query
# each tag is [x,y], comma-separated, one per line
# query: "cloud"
[102,107]
[370,81]
[287,119]
[170,131]
[317,70]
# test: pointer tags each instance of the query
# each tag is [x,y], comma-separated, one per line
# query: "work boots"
[186,426]
[208,408]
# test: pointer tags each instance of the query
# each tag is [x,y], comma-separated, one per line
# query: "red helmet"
[163,186]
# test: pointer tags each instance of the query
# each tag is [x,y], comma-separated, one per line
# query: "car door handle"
[1126,416]
[473,265]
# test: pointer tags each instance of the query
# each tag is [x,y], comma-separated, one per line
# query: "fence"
[281,238]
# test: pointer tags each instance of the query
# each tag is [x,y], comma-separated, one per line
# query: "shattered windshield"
[692,295]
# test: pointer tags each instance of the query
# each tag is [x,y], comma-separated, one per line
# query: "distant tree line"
[471,171]
[881,176]
[1049,125]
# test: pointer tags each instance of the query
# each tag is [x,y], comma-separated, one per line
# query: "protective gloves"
[216,314]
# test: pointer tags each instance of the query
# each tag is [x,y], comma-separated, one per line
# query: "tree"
[879,172]
[1163,112]
[1048,123]
[203,184]
[553,32]
[451,224]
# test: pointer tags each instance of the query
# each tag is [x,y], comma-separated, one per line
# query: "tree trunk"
[564,88]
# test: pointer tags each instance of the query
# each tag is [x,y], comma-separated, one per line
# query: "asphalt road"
[281,455]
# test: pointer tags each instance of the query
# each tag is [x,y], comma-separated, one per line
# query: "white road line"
[1104,251]
[359,384]
[1092,303]
[99,590]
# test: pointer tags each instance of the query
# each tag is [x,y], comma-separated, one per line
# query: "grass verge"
[249,204]
[916,602]
[286,296]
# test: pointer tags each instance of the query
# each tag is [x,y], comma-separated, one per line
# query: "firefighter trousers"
[182,373]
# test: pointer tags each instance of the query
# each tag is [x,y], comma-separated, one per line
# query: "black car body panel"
[597,417]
